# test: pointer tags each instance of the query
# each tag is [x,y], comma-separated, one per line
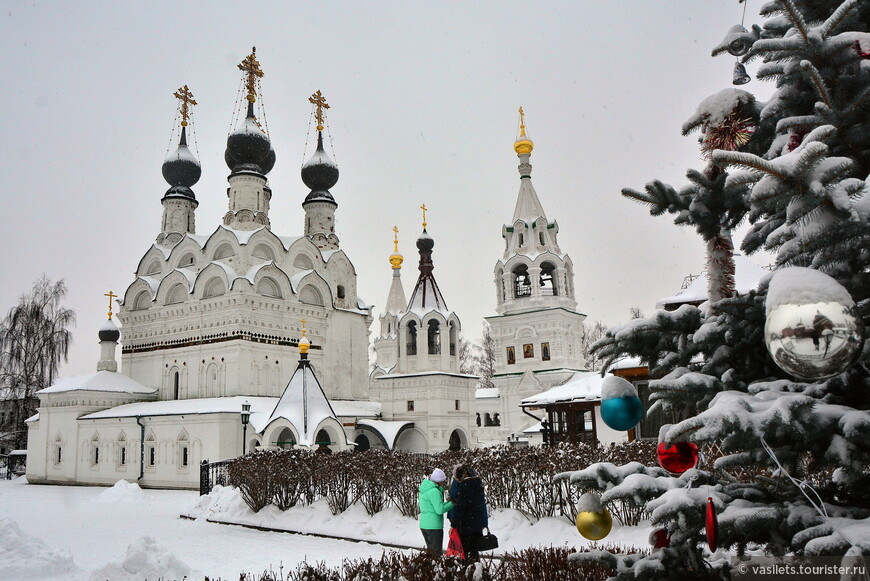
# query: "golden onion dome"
[396,260]
[523,145]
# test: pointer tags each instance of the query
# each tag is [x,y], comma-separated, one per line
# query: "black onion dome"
[248,146]
[109,332]
[425,243]
[181,168]
[319,173]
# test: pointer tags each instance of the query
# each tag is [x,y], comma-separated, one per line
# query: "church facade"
[243,338]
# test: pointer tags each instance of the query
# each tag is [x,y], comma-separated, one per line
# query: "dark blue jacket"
[469,513]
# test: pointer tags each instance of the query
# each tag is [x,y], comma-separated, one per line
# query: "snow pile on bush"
[23,556]
[145,559]
[122,491]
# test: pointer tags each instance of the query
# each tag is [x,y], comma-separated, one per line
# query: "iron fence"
[212,474]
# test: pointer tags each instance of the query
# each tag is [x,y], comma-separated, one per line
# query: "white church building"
[244,339]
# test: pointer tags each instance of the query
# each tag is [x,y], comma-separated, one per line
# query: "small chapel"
[241,338]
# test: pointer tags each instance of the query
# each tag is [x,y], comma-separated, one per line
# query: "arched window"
[211,381]
[487,420]
[175,385]
[541,238]
[340,291]
[302,262]
[434,337]
[150,452]
[214,288]
[269,288]
[412,338]
[522,240]
[142,301]
[452,338]
[95,450]
[548,280]
[522,282]
[310,296]
[153,268]
[183,447]
[187,260]
[176,295]
[121,445]
[58,449]
[263,252]
[223,251]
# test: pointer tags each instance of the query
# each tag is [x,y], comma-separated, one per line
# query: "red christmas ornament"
[677,458]
[711,525]
[659,538]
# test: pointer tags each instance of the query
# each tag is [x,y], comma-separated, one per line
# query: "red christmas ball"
[659,538]
[711,525]
[677,458]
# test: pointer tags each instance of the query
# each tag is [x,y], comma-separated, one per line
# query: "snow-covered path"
[95,526]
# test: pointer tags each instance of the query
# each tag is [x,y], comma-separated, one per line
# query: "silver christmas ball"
[813,330]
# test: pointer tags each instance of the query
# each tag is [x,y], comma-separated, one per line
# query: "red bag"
[454,545]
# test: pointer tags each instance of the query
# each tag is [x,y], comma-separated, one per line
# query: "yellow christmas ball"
[593,520]
[594,525]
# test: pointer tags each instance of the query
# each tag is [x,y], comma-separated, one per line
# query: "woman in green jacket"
[432,509]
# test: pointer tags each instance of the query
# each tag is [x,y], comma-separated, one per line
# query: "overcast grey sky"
[424,100]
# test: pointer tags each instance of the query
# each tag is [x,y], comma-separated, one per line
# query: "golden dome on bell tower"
[523,145]
[396,259]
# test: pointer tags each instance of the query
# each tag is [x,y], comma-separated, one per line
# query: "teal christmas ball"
[621,408]
[622,413]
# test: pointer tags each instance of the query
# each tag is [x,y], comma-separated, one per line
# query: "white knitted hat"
[438,476]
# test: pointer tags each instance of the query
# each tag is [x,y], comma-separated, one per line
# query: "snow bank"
[122,491]
[23,556]
[145,559]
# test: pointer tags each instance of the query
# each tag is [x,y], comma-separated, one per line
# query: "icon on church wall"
[545,351]
[529,350]
[511,355]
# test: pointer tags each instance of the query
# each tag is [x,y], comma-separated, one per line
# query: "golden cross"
[251,68]
[395,238]
[111,296]
[522,122]
[186,97]
[424,208]
[318,100]
[303,327]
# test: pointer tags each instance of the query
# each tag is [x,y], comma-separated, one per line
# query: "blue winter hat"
[438,476]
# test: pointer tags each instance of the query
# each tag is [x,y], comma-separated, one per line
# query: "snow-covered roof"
[747,275]
[424,373]
[304,404]
[107,381]
[260,406]
[626,363]
[487,393]
[583,386]
[345,408]
[297,278]
[389,430]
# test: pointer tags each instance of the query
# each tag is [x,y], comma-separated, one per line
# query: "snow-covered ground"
[125,533]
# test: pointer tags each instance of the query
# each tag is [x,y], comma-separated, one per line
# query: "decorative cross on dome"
[424,208]
[111,296]
[395,238]
[522,122]
[319,102]
[252,70]
[186,97]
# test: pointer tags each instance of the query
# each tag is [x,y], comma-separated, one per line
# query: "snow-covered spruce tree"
[792,476]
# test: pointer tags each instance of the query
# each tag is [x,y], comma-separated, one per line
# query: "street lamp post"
[246,416]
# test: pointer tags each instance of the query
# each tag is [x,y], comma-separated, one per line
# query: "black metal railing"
[212,474]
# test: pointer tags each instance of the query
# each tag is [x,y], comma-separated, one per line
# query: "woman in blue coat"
[469,514]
